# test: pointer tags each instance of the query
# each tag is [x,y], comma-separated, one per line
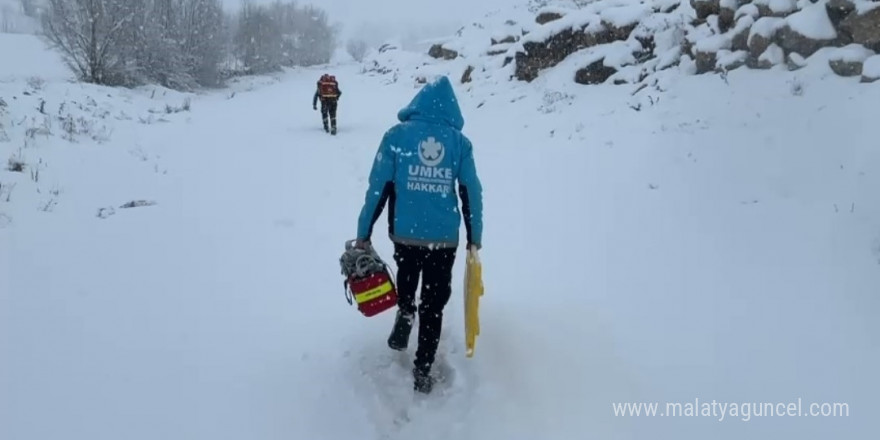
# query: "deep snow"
[721,243]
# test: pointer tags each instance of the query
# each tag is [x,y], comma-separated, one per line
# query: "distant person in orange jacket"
[328,92]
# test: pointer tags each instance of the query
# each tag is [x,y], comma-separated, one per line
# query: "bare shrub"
[15,164]
[357,49]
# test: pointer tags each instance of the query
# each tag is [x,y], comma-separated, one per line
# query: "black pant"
[328,109]
[435,267]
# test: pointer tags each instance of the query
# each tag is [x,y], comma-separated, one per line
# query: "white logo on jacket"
[428,177]
[431,152]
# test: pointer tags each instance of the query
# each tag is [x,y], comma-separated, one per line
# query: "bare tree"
[182,44]
[357,48]
[160,58]
[87,34]
[258,42]
[316,38]
[29,8]
[282,34]
[7,21]
[203,40]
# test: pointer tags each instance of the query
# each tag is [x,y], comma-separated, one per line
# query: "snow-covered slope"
[641,42]
[29,57]
[711,238]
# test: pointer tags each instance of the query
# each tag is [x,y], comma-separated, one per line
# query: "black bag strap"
[347,292]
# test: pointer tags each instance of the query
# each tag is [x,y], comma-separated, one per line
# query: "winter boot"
[333,131]
[399,338]
[422,380]
[326,127]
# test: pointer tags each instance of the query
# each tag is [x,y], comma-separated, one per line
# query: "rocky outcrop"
[706,8]
[706,52]
[846,68]
[849,61]
[740,33]
[619,33]
[791,40]
[466,76]
[727,15]
[438,51]
[837,10]
[632,39]
[801,32]
[758,44]
[541,55]
[728,60]
[773,56]
[705,61]
[595,73]
[547,17]
[761,35]
[506,40]
[863,28]
[775,8]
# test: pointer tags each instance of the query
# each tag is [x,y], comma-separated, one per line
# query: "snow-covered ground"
[719,239]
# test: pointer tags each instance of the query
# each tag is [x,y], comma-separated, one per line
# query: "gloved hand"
[362,244]
[474,246]
[314,107]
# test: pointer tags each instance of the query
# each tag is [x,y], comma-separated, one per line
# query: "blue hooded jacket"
[415,170]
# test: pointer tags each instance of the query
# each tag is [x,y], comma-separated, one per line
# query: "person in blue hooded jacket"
[415,171]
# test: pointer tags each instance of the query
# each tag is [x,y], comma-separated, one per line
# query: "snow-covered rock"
[761,35]
[853,53]
[728,60]
[863,24]
[665,31]
[706,49]
[622,17]
[705,8]
[773,56]
[812,22]
[438,51]
[687,65]
[795,61]
[594,73]
[807,30]
[748,9]
[766,27]
[871,69]
[727,14]
[838,10]
[390,61]
[739,35]
[549,14]
[775,8]
[847,61]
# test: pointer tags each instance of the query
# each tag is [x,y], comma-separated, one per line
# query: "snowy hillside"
[172,272]
[47,120]
[643,41]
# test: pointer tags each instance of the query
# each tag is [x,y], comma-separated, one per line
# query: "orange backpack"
[328,87]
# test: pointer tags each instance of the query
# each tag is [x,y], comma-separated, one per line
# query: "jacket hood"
[435,103]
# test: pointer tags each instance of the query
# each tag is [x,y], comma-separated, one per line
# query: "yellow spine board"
[473,290]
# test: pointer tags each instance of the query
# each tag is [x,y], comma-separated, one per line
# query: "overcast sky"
[400,17]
